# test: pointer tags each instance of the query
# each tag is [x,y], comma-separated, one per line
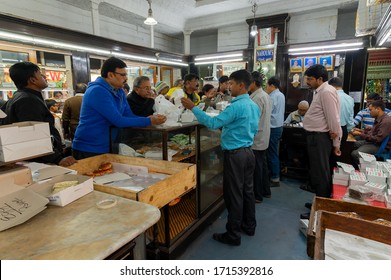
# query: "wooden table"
[79,230]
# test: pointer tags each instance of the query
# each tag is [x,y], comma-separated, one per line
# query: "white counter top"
[79,230]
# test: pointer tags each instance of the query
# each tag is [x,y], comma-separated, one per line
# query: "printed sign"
[265,55]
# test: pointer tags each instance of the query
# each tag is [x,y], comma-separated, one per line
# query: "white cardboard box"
[23,131]
[67,195]
[24,150]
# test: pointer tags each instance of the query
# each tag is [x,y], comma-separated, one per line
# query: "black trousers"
[261,175]
[238,191]
[319,147]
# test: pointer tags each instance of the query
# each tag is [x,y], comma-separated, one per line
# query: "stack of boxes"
[19,184]
[369,185]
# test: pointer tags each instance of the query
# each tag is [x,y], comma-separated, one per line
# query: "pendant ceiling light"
[150,20]
[254,27]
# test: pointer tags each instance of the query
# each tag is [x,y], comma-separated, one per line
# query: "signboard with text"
[265,55]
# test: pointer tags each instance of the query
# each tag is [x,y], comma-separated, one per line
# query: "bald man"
[298,115]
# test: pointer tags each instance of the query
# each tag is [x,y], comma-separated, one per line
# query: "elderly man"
[141,99]
[298,115]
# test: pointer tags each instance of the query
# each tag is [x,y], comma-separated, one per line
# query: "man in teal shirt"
[239,123]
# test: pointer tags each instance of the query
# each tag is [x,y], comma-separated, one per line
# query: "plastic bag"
[166,108]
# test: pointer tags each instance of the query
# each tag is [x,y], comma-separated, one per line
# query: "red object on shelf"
[339,192]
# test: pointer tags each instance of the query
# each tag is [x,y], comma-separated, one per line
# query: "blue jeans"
[272,153]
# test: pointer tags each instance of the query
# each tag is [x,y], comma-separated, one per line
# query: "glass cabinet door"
[210,168]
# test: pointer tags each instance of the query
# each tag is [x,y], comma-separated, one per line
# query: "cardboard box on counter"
[67,195]
[17,174]
[26,149]
[23,132]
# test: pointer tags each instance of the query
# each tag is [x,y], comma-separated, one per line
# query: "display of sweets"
[358,178]
[376,175]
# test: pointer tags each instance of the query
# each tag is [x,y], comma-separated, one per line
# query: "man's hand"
[333,135]
[337,151]
[187,103]
[67,161]
[157,119]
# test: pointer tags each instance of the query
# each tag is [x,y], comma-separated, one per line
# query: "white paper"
[19,206]
[356,96]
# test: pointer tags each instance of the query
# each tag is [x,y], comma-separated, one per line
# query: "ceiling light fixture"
[219,61]
[199,58]
[254,27]
[150,20]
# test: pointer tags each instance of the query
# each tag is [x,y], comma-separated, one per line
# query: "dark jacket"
[71,115]
[29,105]
[142,107]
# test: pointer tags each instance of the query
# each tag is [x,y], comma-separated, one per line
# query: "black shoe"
[248,232]
[307,188]
[308,205]
[267,195]
[258,200]
[305,216]
[223,238]
[274,184]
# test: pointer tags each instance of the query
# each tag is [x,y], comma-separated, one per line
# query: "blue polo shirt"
[239,122]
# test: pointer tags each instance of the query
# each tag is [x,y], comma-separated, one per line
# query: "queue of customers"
[251,125]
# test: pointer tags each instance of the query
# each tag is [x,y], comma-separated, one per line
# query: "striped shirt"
[365,118]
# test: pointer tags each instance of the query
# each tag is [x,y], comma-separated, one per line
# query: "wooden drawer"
[366,212]
[182,178]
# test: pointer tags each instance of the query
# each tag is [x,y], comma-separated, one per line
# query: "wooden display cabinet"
[193,143]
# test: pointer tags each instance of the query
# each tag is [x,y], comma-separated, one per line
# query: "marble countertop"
[79,230]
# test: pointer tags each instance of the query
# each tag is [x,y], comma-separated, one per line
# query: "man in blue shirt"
[239,123]
[105,106]
[276,123]
[346,106]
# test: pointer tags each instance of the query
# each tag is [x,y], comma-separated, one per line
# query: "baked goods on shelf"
[104,168]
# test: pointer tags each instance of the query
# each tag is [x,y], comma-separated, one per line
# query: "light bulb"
[254,30]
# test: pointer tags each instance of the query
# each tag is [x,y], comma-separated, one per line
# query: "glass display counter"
[192,143]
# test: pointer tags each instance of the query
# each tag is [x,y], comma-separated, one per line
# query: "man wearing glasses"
[141,99]
[105,106]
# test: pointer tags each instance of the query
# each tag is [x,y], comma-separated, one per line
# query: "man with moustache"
[105,106]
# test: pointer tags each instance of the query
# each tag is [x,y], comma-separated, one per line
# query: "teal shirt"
[239,122]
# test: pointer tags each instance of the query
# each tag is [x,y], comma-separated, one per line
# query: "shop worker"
[141,99]
[298,115]
[239,123]
[105,106]
[28,104]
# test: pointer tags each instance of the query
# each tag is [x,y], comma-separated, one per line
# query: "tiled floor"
[277,235]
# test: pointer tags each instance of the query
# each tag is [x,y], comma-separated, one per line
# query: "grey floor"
[277,235]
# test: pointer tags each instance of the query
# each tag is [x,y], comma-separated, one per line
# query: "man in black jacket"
[28,104]
[141,99]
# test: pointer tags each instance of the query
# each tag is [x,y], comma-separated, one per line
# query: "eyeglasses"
[122,74]
[146,88]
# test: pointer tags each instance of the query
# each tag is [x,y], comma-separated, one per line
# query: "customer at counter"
[28,104]
[141,99]
[104,106]
[239,123]
[71,112]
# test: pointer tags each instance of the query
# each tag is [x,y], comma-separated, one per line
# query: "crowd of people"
[252,125]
